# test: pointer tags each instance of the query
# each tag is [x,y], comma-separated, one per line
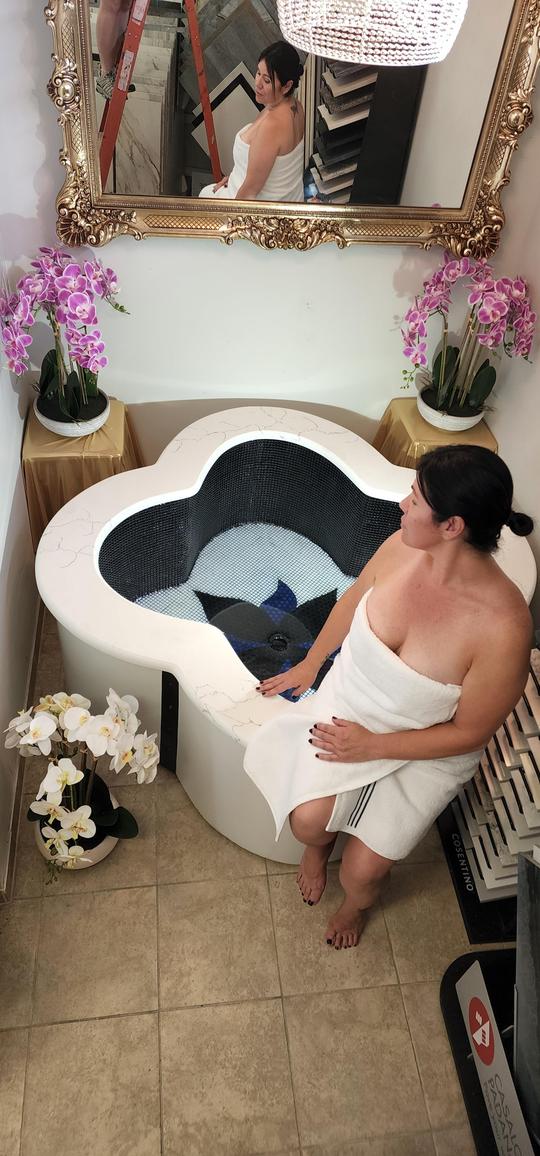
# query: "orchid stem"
[90,783]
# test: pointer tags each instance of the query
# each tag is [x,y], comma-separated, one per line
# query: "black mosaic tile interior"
[263,480]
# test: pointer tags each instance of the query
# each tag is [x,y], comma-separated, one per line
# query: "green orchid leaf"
[105,818]
[449,365]
[90,382]
[444,389]
[126,826]
[70,403]
[48,378]
[482,385]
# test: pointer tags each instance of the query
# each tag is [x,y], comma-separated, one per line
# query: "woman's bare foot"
[346,926]
[311,877]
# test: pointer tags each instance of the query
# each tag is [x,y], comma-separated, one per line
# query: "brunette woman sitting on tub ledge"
[435,654]
[268,154]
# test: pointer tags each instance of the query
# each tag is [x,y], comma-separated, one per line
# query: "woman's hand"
[298,679]
[342,742]
[222,184]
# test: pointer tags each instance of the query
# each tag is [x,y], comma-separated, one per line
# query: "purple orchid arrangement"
[66,291]
[500,314]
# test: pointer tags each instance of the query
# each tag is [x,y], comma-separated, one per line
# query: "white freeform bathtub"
[205,704]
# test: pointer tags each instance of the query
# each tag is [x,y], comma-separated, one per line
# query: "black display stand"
[490,922]
[499,971]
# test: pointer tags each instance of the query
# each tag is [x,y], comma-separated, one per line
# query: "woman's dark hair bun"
[520,524]
[283,61]
[475,484]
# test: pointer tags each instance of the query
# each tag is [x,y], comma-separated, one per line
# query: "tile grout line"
[160,1059]
[394,960]
[160,1090]
[31,1024]
[415,1054]
[17,849]
[191,1006]
[284,1018]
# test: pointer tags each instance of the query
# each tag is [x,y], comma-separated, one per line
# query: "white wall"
[27,190]
[210,321]
[452,108]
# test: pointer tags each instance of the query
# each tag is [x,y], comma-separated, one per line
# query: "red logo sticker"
[481,1031]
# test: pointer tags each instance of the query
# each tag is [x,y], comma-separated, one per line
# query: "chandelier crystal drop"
[379,32]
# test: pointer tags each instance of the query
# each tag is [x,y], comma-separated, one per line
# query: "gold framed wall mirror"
[406,156]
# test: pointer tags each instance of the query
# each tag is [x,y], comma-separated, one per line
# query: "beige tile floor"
[179,999]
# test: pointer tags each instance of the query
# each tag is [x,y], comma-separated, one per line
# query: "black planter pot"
[117,823]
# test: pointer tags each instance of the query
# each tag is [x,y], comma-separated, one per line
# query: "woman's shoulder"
[504,622]
[507,602]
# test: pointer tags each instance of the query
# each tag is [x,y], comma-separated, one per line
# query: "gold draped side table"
[55,468]
[403,435]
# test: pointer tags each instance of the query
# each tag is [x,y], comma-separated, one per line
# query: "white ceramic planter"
[444,420]
[73,429]
[93,855]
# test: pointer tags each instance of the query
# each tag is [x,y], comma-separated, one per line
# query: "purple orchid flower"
[500,313]
[492,308]
[80,307]
[71,281]
[453,270]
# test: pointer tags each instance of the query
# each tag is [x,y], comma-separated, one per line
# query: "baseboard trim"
[6,894]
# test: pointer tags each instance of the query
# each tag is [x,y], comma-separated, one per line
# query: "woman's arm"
[263,151]
[335,629]
[491,688]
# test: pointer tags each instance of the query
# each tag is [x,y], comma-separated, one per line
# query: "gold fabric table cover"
[55,468]
[403,435]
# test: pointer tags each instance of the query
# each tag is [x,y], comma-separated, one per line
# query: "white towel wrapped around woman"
[388,803]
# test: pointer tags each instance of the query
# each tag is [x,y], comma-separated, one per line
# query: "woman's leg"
[308,822]
[361,874]
[111,24]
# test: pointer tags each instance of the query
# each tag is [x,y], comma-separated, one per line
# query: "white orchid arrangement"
[73,802]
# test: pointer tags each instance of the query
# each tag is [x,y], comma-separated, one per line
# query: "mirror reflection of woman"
[268,154]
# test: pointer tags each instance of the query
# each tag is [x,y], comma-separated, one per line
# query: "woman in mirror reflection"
[435,646]
[268,154]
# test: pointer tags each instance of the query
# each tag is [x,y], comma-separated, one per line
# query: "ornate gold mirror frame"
[87,216]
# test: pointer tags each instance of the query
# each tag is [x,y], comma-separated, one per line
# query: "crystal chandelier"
[377,32]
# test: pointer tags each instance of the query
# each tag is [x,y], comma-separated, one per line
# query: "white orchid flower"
[12,738]
[127,724]
[124,752]
[65,700]
[123,710]
[75,721]
[21,721]
[51,810]
[101,734]
[56,839]
[47,703]
[39,733]
[16,728]
[146,758]
[54,798]
[74,855]
[79,823]
[59,775]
